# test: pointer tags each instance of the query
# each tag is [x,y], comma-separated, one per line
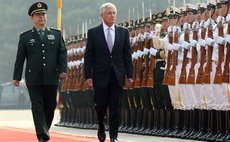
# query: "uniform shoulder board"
[52,28]
[26,31]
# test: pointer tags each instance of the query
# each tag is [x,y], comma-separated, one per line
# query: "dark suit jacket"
[45,59]
[99,61]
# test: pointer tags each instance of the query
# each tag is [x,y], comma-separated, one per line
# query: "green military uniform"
[46,58]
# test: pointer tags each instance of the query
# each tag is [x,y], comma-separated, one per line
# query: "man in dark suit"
[107,63]
[46,62]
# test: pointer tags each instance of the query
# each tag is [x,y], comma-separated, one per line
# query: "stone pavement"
[23,119]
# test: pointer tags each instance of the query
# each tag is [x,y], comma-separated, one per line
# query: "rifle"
[191,75]
[146,64]
[135,63]
[81,77]
[73,78]
[63,84]
[183,74]
[150,80]
[172,72]
[69,77]
[202,58]
[225,77]
[208,67]
[134,47]
[166,78]
[137,82]
[218,74]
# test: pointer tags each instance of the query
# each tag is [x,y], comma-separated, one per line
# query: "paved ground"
[23,119]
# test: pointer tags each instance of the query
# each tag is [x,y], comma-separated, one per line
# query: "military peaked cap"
[37,8]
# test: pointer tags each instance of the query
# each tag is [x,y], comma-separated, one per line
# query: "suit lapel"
[102,36]
[116,37]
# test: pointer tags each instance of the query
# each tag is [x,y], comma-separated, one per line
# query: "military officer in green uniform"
[46,63]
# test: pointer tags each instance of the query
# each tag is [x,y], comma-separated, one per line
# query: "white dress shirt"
[112,31]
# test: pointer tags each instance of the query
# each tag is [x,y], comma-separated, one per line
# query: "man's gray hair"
[107,5]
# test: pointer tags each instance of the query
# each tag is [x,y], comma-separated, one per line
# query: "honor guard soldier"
[224,11]
[46,63]
[219,89]
[161,92]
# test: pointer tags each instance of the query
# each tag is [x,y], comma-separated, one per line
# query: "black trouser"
[43,102]
[161,91]
[109,96]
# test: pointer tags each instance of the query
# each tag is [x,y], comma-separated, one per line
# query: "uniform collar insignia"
[50,37]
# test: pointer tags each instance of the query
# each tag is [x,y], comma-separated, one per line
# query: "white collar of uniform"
[105,27]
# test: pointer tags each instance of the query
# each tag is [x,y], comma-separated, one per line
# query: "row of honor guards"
[181,75]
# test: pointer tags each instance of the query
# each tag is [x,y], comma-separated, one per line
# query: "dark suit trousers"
[110,96]
[43,101]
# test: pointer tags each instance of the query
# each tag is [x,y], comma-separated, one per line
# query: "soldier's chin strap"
[213,11]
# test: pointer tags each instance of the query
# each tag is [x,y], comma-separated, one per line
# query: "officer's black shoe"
[101,133]
[42,140]
[113,140]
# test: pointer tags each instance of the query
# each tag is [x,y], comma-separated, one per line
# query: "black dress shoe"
[42,140]
[113,140]
[101,133]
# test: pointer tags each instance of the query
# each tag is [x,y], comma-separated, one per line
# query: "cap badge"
[39,5]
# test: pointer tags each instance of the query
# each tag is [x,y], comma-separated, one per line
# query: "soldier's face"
[190,17]
[109,16]
[173,21]
[206,15]
[39,19]
[199,17]
[224,10]
[216,14]
[165,24]
[181,20]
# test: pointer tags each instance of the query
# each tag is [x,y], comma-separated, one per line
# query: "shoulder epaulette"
[26,31]
[52,28]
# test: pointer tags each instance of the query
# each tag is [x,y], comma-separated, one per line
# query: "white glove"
[228,18]
[176,46]
[220,19]
[221,40]
[146,51]
[139,53]
[193,42]
[202,42]
[169,46]
[210,41]
[153,51]
[227,38]
[186,45]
